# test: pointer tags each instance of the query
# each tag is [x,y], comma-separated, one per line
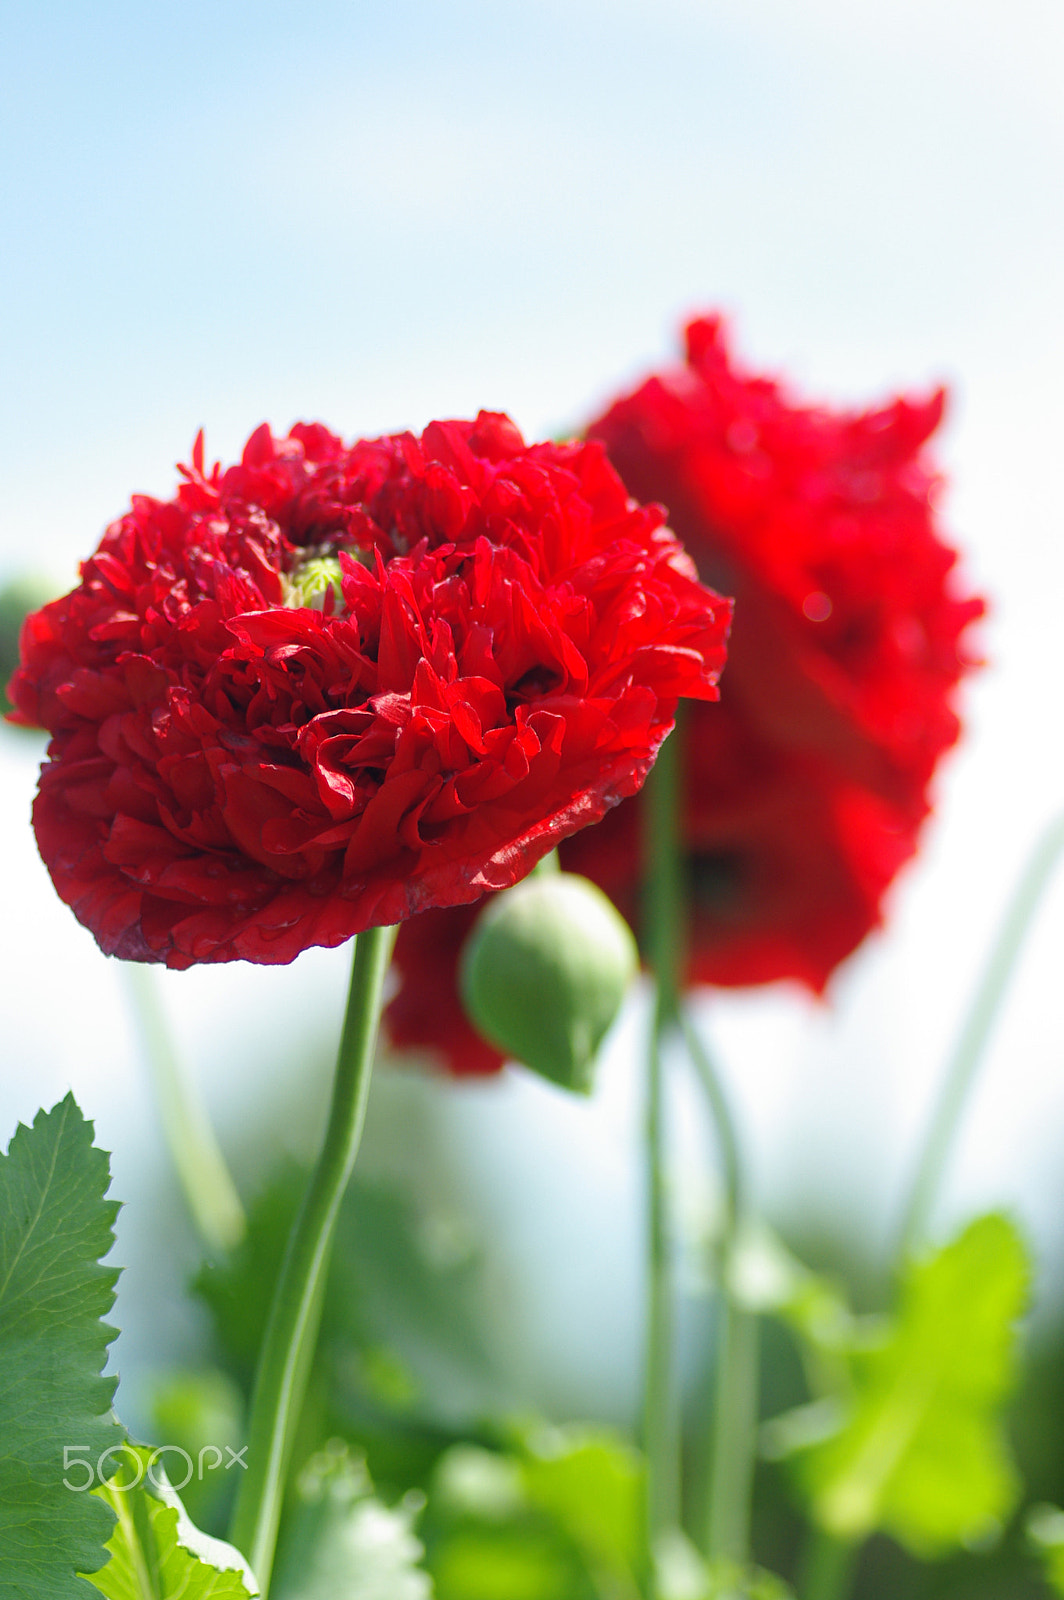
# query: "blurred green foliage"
[890,1422]
[917,1446]
[341,1543]
[1045,1531]
[18,597]
[203,1414]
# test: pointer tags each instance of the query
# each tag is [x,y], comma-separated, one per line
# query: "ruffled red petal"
[234,775]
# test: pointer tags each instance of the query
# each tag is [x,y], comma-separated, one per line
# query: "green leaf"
[55,1422]
[515,1562]
[202,1413]
[920,1450]
[489,1539]
[591,1482]
[1045,1532]
[680,1573]
[342,1544]
[766,1278]
[401,1362]
[156,1552]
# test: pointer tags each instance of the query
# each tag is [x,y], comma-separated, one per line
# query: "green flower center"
[312,581]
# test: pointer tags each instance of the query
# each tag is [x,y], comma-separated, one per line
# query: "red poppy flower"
[806,786]
[334,686]
[822,525]
[805,796]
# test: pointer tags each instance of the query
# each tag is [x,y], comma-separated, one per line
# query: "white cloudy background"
[216,214]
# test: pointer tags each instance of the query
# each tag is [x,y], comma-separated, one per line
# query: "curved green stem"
[975,1033]
[733,1438]
[664,917]
[284,1361]
[208,1188]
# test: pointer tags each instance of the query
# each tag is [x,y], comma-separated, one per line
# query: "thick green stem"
[827,1567]
[209,1191]
[284,1361]
[664,901]
[968,1053]
[733,1439]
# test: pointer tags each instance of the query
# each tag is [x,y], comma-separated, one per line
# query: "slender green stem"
[209,1191]
[982,1014]
[733,1438]
[660,1430]
[284,1361]
[723,1122]
[665,914]
[664,902]
[734,1446]
[827,1567]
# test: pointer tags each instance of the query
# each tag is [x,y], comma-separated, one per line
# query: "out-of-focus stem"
[968,1052]
[733,1437]
[208,1188]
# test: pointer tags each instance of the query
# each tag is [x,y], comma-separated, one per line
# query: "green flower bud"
[544,972]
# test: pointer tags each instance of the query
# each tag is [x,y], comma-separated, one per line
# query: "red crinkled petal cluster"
[806,786]
[821,524]
[236,774]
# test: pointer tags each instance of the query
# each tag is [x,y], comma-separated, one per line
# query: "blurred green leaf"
[18,597]
[401,1365]
[680,1573]
[202,1413]
[591,1482]
[473,1482]
[516,1562]
[156,1552]
[238,1290]
[498,1526]
[919,1449]
[340,1543]
[395,1296]
[557,1517]
[766,1278]
[1045,1532]
[55,1422]
[406,1281]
